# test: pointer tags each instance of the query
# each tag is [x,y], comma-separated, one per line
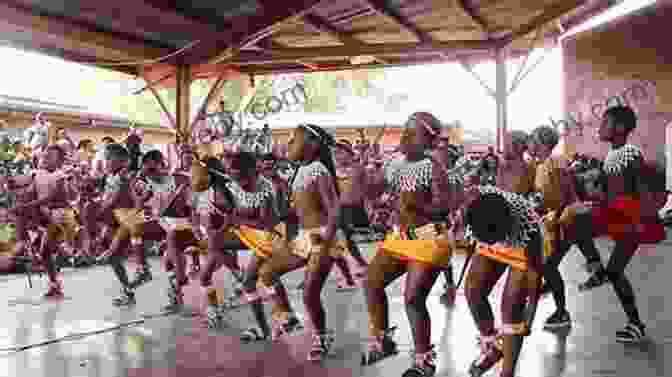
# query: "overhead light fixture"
[362,59]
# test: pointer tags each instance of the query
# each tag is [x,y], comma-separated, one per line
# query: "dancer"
[619,214]
[185,168]
[556,191]
[216,236]
[508,236]
[161,211]
[167,197]
[250,222]
[315,200]
[447,155]
[515,174]
[417,246]
[116,206]
[350,177]
[53,210]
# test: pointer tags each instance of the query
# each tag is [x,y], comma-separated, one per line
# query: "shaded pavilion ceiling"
[151,37]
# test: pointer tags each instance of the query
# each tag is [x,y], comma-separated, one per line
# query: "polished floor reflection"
[85,336]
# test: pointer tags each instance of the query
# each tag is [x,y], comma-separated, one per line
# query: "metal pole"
[501,94]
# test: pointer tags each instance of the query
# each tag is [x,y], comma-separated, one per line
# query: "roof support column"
[501,94]
[183,105]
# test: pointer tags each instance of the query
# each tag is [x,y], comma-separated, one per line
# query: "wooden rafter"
[471,11]
[345,65]
[324,26]
[275,15]
[213,93]
[53,32]
[155,82]
[316,54]
[269,45]
[161,103]
[549,14]
[384,9]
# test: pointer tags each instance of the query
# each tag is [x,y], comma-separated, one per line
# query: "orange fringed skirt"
[428,245]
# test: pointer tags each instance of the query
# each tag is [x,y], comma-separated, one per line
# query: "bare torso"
[306,198]
[351,183]
[51,184]
[515,176]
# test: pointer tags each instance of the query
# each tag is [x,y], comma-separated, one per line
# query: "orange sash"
[429,246]
[258,241]
[515,257]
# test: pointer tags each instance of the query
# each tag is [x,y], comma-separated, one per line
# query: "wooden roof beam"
[316,54]
[384,9]
[70,36]
[550,13]
[345,66]
[268,44]
[275,15]
[471,11]
[324,26]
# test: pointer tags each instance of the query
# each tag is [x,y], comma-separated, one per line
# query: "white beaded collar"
[306,175]
[618,160]
[404,176]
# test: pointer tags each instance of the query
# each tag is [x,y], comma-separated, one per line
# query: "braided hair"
[325,142]
[218,178]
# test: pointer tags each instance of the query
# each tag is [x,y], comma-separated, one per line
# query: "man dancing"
[52,208]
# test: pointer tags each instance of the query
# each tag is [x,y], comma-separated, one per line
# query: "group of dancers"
[222,200]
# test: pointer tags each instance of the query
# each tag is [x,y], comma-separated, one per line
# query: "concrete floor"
[169,346]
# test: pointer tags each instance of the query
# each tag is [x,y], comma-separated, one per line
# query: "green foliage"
[7,232]
[320,90]
[143,108]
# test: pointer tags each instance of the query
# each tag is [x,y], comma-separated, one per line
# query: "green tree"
[143,108]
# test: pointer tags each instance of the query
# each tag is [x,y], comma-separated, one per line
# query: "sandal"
[127,298]
[424,365]
[489,356]
[321,346]
[252,335]
[380,347]
[214,319]
[288,326]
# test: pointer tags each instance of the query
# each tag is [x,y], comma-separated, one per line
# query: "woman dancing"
[508,236]
[315,200]
[417,246]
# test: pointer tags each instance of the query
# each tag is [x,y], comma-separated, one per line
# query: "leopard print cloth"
[618,160]
[251,200]
[527,222]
